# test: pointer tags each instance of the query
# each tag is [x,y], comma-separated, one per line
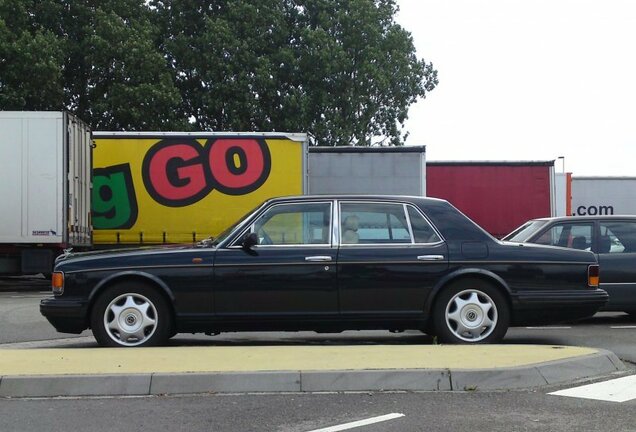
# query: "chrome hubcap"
[471,315]
[130,319]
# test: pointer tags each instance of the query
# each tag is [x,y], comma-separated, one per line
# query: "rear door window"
[384,223]
[370,223]
[423,231]
[617,237]
[571,235]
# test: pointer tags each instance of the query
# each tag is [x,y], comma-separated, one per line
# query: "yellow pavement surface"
[55,361]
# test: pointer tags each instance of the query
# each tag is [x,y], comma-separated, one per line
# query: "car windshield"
[213,241]
[525,231]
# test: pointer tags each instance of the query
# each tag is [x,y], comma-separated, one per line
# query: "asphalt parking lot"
[317,360]
[522,409]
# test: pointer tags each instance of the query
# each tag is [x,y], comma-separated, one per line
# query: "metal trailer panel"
[32,192]
[164,187]
[561,194]
[498,196]
[597,196]
[374,170]
[79,182]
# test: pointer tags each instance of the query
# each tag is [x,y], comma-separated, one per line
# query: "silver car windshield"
[525,231]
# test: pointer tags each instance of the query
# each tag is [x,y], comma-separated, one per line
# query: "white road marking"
[624,327]
[359,423]
[616,390]
[548,328]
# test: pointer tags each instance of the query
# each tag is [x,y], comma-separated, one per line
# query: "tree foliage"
[342,70]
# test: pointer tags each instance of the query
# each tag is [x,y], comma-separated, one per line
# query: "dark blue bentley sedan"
[327,263]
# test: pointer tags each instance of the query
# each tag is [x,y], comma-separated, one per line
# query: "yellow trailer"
[174,187]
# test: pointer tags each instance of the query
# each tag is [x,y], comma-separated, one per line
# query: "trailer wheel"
[131,314]
[471,311]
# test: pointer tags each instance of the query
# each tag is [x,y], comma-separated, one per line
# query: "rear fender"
[478,273]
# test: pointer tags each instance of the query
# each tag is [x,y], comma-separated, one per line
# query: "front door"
[289,274]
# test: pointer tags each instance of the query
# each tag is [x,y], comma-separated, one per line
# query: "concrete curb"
[590,366]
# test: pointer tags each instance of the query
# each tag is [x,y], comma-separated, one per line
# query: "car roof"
[585,218]
[409,198]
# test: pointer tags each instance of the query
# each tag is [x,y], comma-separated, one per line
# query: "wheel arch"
[468,273]
[128,276]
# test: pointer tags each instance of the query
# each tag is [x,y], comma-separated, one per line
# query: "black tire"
[471,311]
[145,318]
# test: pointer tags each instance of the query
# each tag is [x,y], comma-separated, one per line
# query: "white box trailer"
[599,196]
[45,192]
[367,170]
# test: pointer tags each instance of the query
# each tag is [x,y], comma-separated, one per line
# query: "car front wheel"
[471,311]
[131,315]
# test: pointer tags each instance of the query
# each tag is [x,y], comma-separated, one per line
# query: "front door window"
[294,224]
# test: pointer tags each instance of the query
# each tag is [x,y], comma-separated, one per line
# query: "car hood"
[108,254]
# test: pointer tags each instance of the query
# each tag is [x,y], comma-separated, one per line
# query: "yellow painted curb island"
[81,361]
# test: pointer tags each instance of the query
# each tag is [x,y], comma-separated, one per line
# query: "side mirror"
[250,240]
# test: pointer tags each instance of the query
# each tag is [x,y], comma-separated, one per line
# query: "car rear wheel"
[471,311]
[131,314]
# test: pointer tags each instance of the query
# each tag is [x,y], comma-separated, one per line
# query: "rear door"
[389,258]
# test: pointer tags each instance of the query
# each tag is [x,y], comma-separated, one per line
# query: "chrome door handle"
[319,258]
[430,257]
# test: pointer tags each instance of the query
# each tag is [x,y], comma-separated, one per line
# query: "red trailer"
[499,196]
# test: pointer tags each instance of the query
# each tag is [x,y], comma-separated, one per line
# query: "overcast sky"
[528,80]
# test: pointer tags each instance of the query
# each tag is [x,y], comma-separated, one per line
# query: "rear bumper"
[551,307]
[66,315]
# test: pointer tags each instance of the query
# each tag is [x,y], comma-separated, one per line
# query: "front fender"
[130,274]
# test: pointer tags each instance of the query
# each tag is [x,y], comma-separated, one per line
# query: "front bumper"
[66,315]
[555,306]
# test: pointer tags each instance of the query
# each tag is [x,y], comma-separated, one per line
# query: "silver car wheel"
[471,315]
[130,319]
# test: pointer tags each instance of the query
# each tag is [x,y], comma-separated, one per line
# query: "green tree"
[342,70]
[100,60]
[361,71]
[31,61]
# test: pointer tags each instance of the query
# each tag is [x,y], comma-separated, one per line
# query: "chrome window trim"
[408,222]
[405,206]
[249,226]
[302,245]
[439,234]
[285,264]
